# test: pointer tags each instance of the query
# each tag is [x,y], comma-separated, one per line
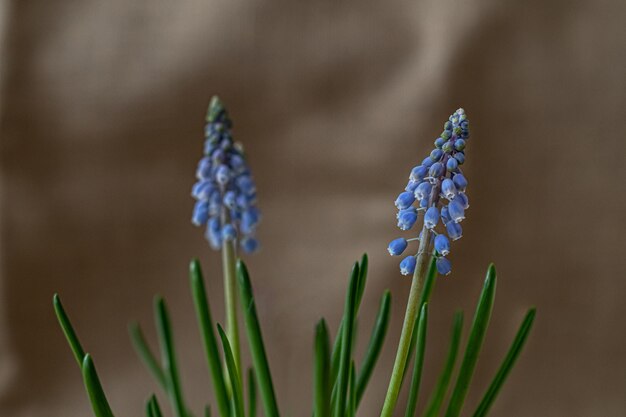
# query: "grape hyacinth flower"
[439,191]
[225,191]
[437,188]
[225,196]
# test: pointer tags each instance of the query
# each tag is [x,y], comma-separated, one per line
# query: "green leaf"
[168,357]
[375,345]
[94,389]
[206,325]
[322,370]
[255,340]
[346,343]
[233,372]
[351,411]
[153,407]
[474,344]
[207,411]
[68,330]
[507,364]
[427,290]
[145,354]
[419,361]
[336,355]
[251,393]
[439,392]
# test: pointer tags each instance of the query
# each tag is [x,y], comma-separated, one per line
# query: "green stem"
[230,292]
[412,310]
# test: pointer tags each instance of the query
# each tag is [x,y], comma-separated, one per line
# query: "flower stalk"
[410,317]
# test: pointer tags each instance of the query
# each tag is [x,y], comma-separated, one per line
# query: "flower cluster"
[225,190]
[437,189]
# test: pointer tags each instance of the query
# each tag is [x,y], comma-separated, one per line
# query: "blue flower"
[397,246]
[404,200]
[444,267]
[442,244]
[407,266]
[225,191]
[431,218]
[436,179]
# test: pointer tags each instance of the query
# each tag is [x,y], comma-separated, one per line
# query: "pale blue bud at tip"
[448,189]
[456,210]
[460,157]
[439,142]
[431,218]
[406,220]
[442,244]
[404,200]
[460,182]
[427,162]
[397,246]
[444,267]
[459,144]
[454,230]
[423,191]
[407,266]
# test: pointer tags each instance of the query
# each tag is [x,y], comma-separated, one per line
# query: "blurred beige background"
[102,124]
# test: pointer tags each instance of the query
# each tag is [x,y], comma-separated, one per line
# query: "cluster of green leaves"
[338,385]
[478,330]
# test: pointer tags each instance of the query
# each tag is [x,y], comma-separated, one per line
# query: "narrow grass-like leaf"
[255,341]
[336,353]
[94,389]
[148,409]
[206,325]
[351,411]
[251,393]
[346,343]
[363,268]
[233,373]
[153,406]
[207,411]
[441,387]
[420,349]
[145,354]
[68,330]
[507,364]
[474,344]
[375,345]
[321,383]
[427,290]
[168,357]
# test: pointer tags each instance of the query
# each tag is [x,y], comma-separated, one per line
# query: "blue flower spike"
[438,187]
[225,190]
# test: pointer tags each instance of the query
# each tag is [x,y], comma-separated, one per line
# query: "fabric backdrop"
[102,118]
